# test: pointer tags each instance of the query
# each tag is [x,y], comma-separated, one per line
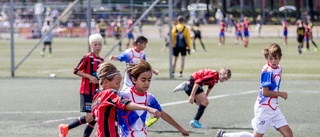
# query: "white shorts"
[264,117]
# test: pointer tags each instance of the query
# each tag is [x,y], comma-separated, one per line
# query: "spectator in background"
[83,24]
[219,16]
[93,23]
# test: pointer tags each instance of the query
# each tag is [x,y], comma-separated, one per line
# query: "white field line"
[211,97]
[163,105]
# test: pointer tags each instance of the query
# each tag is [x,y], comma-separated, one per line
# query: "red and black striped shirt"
[206,77]
[88,64]
[105,107]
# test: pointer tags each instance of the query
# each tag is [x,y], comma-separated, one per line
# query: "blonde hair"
[95,38]
[226,71]
[107,71]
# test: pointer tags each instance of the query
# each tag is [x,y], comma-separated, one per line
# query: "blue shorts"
[246,33]
[221,34]
[130,35]
[285,33]
[238,34]
[307,39]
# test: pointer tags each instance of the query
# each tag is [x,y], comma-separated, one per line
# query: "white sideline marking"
[163,105]
[211,97]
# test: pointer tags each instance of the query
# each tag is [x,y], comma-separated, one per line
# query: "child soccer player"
[130,32]
[285,26]
[266,110]
[222,37]
[196,93]
[117,32]
[300,32]
[106,103]
[87,69]
[245,25]
[132,123]
[238,28]
[131,56]
[310,26]
[197,35]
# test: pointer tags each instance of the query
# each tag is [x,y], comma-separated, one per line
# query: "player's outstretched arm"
[134,106]
[166,117]
[115,58]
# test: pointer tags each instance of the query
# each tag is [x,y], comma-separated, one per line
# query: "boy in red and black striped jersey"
[87,69]
[203,77]
[106,103]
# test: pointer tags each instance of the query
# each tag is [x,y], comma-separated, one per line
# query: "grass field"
[33,105]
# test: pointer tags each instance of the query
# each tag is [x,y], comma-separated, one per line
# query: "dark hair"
[141,39]
[134,70]
[180,19]
[107,71]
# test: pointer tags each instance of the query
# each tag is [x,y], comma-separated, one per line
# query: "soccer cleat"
[50,55]
[180,74]
[42,53]
[181,87]
[220,133]
[195,124]
[316,49]
[151,121]
[63,130]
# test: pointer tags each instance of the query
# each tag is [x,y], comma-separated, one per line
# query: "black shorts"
[117,35]
[176,51]
[300,38]
[47,43]
[197,34]
[190,86]
[103,33]
[85,102]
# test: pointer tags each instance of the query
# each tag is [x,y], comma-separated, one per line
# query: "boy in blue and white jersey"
[132,56]
[266,111]
[133,123]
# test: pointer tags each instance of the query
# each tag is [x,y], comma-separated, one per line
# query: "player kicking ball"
[193,88]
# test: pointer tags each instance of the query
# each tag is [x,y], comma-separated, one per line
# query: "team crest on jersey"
[96,102]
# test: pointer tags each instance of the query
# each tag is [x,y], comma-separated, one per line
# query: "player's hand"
[184,132]
[155,112]
[188,50]
[284,95]
[191,99]
[156,72]
[111,57]
[94,80]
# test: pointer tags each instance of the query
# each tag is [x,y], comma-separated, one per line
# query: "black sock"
[314,44]
[200,112]
[77,122]
[88,129]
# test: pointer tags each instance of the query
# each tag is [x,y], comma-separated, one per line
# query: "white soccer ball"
[52,75]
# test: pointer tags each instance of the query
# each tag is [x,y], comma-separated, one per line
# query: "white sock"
[238,134]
